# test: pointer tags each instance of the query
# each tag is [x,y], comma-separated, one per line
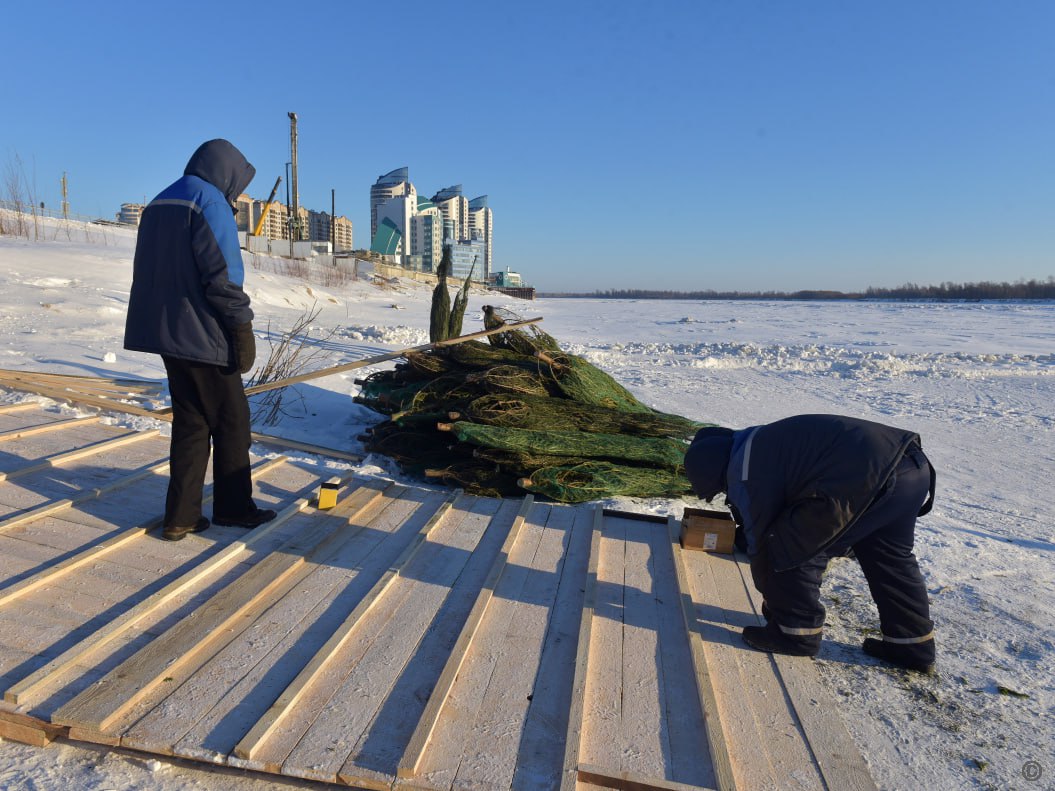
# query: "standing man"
[187,304]
[811,487]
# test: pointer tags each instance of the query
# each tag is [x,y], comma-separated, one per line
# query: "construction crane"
[267,205]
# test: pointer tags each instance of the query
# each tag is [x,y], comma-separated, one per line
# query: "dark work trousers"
[881,540]
[208,403]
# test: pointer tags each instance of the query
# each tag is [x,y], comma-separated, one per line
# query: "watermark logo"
[1031,770]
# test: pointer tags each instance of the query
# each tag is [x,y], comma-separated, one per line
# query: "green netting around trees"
[518,414]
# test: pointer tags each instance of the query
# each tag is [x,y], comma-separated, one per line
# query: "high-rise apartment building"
[426,235]
[481,226]
[403,224]
[395,184]
[455,210]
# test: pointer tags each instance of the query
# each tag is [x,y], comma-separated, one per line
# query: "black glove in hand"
[244,346]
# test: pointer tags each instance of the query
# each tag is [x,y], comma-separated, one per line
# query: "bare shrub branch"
[292,353]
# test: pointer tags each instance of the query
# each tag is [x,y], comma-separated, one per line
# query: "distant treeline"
[1028,289]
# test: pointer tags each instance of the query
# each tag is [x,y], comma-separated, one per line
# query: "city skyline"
[678,145]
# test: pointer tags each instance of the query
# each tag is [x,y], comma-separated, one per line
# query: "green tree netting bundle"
[594,480]
[563,414]
[660,451]
[517,413]
[580,381]
[511,379]
[478,478]
[520,463]
[527,341]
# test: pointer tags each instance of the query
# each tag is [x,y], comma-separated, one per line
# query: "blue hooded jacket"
[187,296]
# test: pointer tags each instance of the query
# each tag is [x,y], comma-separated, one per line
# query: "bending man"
[811,487]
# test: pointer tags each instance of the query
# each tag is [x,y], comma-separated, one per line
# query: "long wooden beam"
[45,428]
[46,385]
[384,357]
[419,741]
[573,738]
[716,742]
[250,744]
[88,450]
[61,394]
[628,781]
[21,406]
[49,509]
[18,692]
[93,553]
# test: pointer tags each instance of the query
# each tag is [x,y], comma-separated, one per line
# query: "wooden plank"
[95,552]
[689,759]
[644,731]
[209,714]
[762,730]
[292,444]
[57,393]
[57,506]
[540,759]
[7,409]
[96,381]
[602,738]
[576,720]
[384,357]
[719,748]
[629,781]
[375,757]
[79,453]
[44,428]
[408,765]
[360,690]
[180,650]
[28,730]
[515,636]
[249,746]
[835,751]
[20,692]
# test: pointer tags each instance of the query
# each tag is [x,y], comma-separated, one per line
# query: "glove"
[244,346]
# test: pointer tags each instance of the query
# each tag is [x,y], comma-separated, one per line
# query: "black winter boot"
[177,532]
[911,656]
[771,639]
[254,518]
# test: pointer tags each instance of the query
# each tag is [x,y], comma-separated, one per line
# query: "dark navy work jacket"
[187,277]
[799,483]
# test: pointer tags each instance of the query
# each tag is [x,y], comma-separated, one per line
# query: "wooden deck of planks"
[406,638]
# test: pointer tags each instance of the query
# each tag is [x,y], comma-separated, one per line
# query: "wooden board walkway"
[407,638]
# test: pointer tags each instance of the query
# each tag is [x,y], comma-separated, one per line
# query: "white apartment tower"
[481,225]
[455,210]
[395,184]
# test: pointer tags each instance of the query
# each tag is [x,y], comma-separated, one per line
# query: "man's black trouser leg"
[882,541]
[208,402]
[884,551]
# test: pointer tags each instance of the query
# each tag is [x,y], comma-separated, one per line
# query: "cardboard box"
[709,531]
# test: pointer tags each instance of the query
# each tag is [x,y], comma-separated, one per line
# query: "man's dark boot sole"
[260,517]
[762,639]
[178,533]
[885,652]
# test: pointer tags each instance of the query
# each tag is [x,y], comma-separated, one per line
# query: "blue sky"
[670,145]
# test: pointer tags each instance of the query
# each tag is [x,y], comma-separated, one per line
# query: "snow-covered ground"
[976,380]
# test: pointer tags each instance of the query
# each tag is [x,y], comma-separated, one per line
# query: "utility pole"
[65,202]
[293,177]
[289,213]
[333,221]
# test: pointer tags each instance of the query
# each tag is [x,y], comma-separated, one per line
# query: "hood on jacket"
[707,460]
[222,165]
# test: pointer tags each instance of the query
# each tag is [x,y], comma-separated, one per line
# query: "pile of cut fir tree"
[515,413]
